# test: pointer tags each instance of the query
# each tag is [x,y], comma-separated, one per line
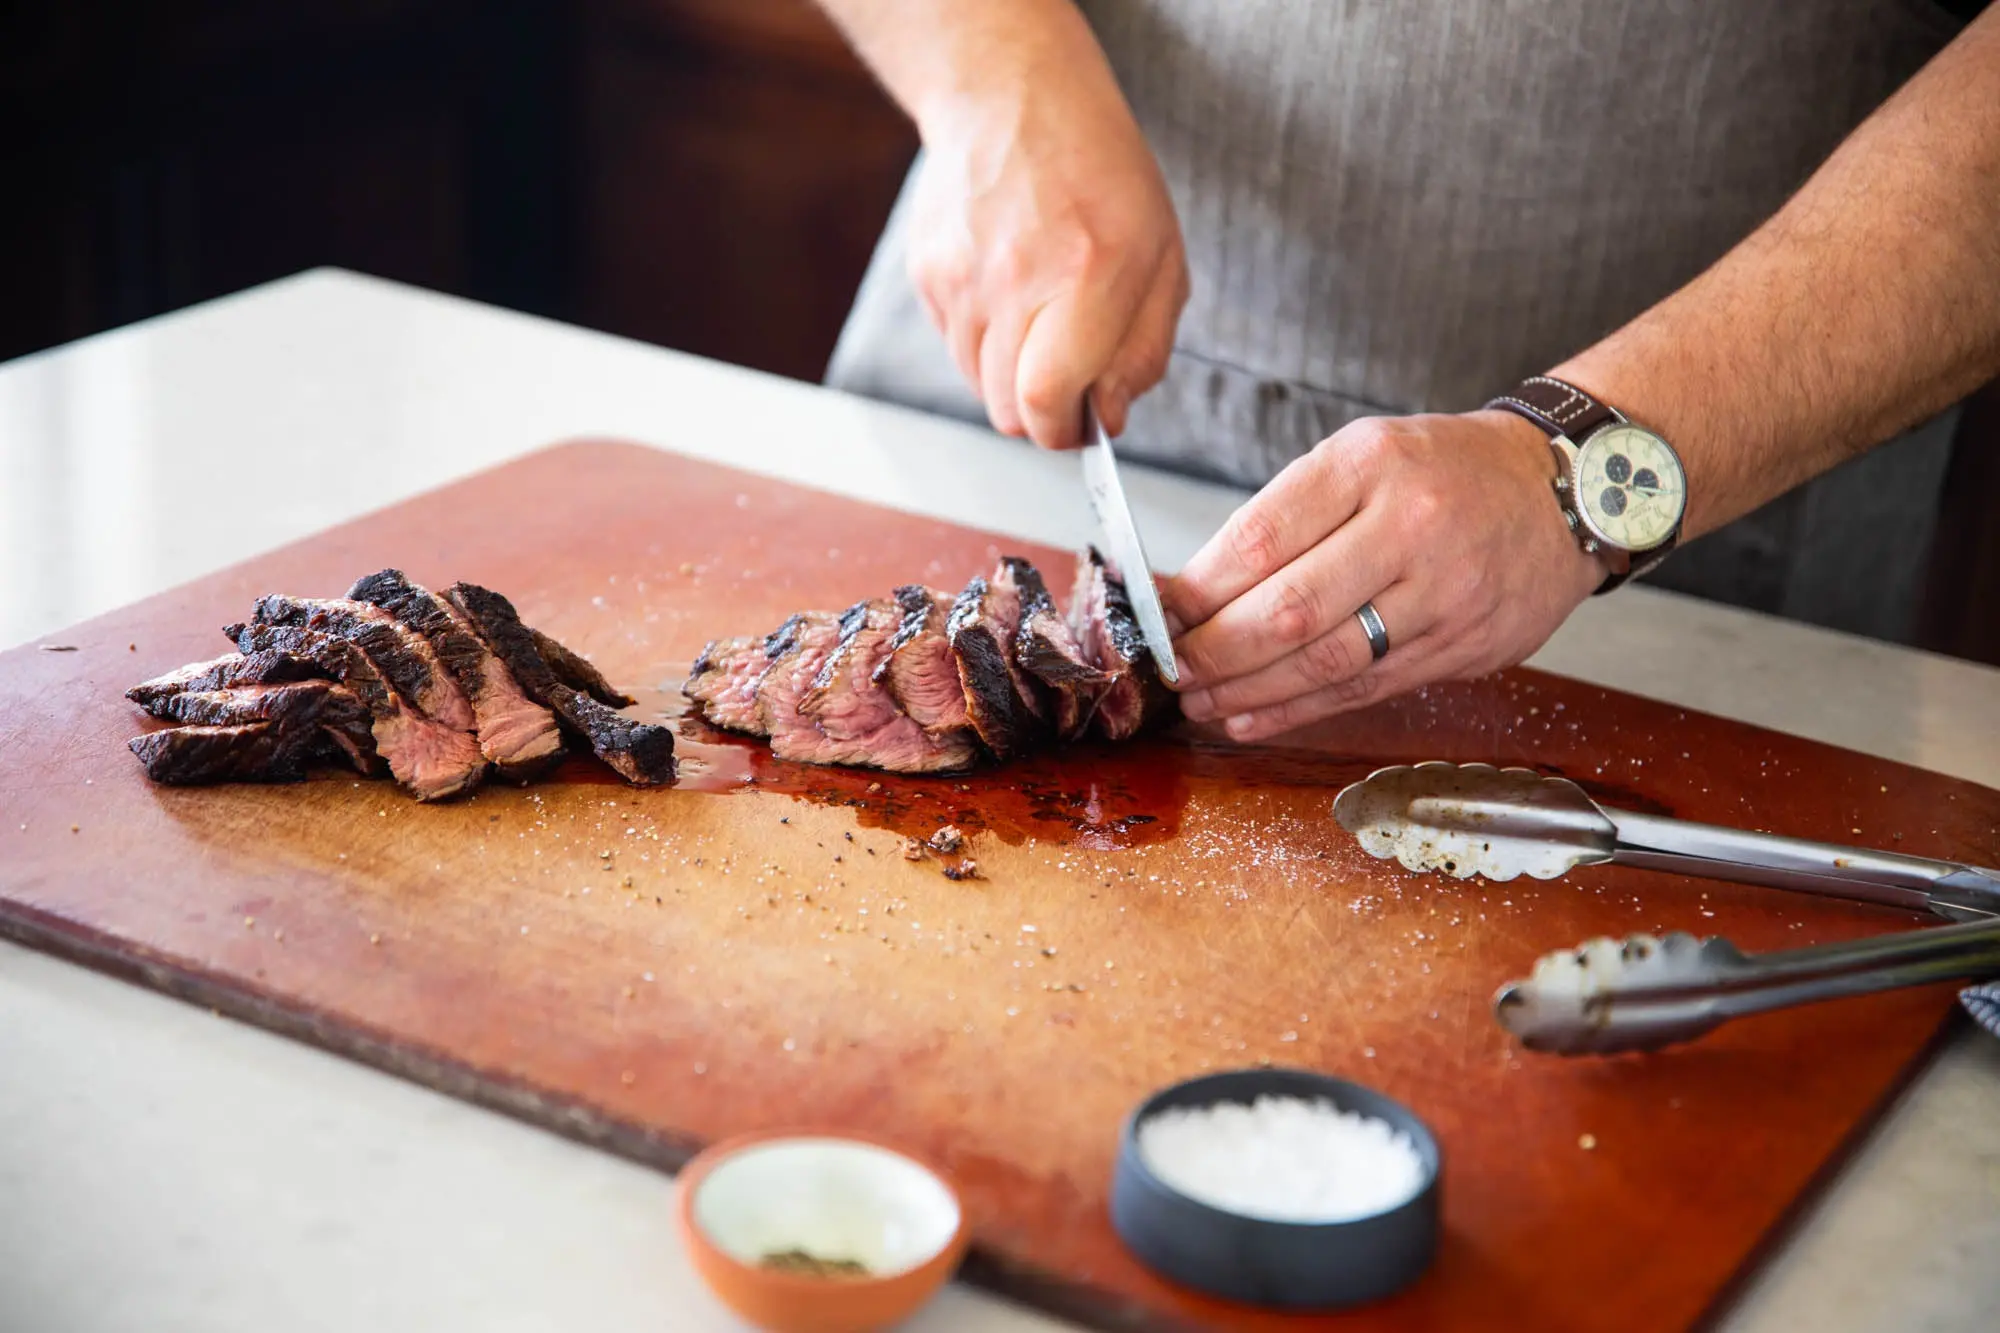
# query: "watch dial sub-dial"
[1630,487]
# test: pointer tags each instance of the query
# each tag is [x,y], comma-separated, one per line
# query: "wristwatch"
[1620,486]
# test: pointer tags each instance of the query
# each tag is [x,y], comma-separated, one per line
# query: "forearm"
[1868,303]
[945,64]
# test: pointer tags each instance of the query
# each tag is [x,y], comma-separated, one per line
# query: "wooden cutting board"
[649,970]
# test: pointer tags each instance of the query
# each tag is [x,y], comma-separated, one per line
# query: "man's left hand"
[1448,524]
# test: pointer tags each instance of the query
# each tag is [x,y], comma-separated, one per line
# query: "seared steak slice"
[265,668]
[256,752]
[639,751]
[297,706]
[725,679]
[1102,620]
[398,652]
[516,734]
[858,718]
[1001,698]
[798,648]
[920,673]
[432,760]
[723,683]
[1050,652]
[576,671]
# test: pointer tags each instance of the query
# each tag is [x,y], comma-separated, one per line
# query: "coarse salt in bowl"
[1279,1187]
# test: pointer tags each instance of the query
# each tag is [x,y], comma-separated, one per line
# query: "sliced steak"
[858,718]
[1049,651]
[638,751]
[400,653]
[724,680]
[297,706]
[797,649]
[432,760]
[920,671]
[1102,620]
[255,752]
[1000,697]
[576,671]
[517,735]
[265,668]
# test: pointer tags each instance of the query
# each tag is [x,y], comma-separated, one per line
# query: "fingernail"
[1240,725]
[1199,705]
[1175,625]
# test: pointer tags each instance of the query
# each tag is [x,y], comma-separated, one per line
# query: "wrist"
[1531,455]
[993,69]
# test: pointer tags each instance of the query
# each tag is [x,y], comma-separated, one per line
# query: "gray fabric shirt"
[1394,207]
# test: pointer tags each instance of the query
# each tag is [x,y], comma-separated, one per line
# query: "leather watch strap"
[1557,407]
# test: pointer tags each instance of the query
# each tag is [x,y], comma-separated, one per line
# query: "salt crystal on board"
[1284,1159]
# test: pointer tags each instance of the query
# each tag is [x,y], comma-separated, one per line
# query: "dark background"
[708,175]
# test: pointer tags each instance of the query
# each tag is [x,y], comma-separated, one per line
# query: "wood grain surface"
[650,970]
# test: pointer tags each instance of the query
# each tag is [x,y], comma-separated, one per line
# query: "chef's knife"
[1123,550]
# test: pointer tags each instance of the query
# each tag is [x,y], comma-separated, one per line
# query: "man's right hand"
[1048,254]
[1042,237]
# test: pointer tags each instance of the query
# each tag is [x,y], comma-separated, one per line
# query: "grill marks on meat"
[432,760]
[859,721]
[921,681]
[400,653]
[298,706]
[517,736]
[639,751]
[1048,650]
[919,671]
[390,675]
[258,752]
[1109,632]
[221,673]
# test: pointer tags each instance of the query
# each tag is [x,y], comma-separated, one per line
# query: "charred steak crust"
[916,607]
[578,672]
[1049,651]
[517,735]
[402,655]
[431,760]
[638,751]
[256,752]
[270,667]
[984,670]
[855,619]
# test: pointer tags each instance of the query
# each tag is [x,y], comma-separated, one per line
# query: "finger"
[1310,498]
[1336,656]
[999,354]
[965,332]
[1301,603]
[1406,668]
[1067,348]
[1141,361]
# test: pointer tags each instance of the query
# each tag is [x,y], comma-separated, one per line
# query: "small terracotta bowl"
[834,1198]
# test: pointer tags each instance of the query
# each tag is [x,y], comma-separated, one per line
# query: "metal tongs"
[1645,991]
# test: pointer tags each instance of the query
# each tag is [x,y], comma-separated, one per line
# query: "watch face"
[1630,489]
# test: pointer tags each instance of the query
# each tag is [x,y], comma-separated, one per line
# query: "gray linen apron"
[1395,206]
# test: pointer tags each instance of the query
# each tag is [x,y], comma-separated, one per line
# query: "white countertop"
[163,1169]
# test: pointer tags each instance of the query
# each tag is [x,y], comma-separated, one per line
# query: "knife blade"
[1124,552]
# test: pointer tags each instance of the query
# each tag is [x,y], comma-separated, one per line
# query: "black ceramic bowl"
[1290,1265]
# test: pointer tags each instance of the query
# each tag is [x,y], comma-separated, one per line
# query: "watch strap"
[1557,406]
[1567,412]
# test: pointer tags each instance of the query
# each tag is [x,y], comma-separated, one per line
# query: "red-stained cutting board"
[757,953]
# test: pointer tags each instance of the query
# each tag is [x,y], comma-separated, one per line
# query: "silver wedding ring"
[1371,624]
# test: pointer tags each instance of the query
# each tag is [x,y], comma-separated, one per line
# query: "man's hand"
[1042,237]
[1047,251]
[1448,524]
